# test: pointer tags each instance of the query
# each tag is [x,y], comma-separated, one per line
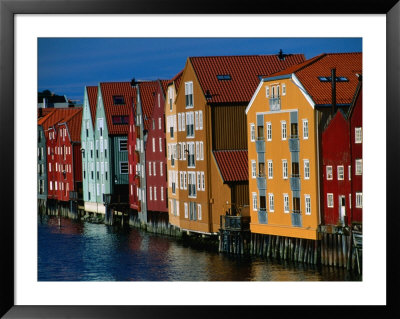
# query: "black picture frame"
[8,9]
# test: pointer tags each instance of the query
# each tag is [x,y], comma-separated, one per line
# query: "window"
[154,169]
[349,172]
[198,181]
[162,193]
[340,172]
[197,151]
[151,193]
[192,183]
[203,182]
[286,203]
[179,122]
[222,77]
[196,118]
[284,169]
[191,161]
[283,89]
[254,201]
[192,211]
[283,130]
[190,124]
[270,170]
[184,180]
[200,120]
[267,91]
[307,169]
[201,150]
[154,144]
[122,145]
[271,202]
[305,129]
[253,169]
[155,192]
[358,166]
[170,97]
[358,135]
[329,174]
[269,131]
[358,200]
[119,120]
[181,179]
[123,167]
[189,94]
[186,210]
[252,132]
[118,100]
[160,143]
[308,204]
[350,200]
[161,169]
[159,123]
[329,198]
[199,216]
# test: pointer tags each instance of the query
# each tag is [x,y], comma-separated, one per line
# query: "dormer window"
[120,119]
[118,100]
[222,77]
[329,79]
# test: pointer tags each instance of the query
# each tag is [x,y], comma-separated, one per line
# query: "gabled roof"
[42,112]
[244,72]
[74,123]
[164,84]
[233,165]
[110,89]
[147,97]
[346,64]
[176,80]
[357,95]
[92,99]
[56,116]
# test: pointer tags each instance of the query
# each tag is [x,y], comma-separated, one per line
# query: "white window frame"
[186,210]
[200,120]
[189,91]
[349,172]
[306,163]
[307,202]
[305,129]
[283,89]
[196,120]
[283,130]
[120,167]
[340,168]
[150,193]
[349,200]
[286,204]
[154,144]
[252,132]
[285,169]
[162,193]
[358,135]
[253,169]
[119,144]
[329,200]
[267,91]
[269,131]
[159,123]
[154,169]
[199,216]
[149,168]
[359,200]
[161,169]
[155,192]
[271,202]
[203,182]
[329,175]
[270,169]
[254,201]
[358,167]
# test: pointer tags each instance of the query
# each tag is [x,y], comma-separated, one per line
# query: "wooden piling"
[334,238]
[339,250]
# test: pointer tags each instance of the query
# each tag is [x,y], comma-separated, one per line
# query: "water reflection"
[93,252]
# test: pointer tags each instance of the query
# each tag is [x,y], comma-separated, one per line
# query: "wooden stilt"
[344,250]
[334,238]
[339,250]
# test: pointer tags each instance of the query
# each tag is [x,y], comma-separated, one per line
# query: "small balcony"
[261,182]
[237,223]
[294,144]
[295,182]
[262,216]
[260,146]
[275,103]
[296,218]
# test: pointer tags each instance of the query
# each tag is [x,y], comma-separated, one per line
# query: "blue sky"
[67,65]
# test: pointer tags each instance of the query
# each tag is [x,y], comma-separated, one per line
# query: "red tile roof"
[44,111]
[177,79]
[164,84]
[92,98]
[57,115]
[233,165]
[147,97]
[346,65]
[74,122]
[110,89]
[243,70]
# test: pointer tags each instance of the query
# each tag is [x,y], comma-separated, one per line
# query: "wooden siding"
[42,164]
[240,195]
[229,127]
[118,157]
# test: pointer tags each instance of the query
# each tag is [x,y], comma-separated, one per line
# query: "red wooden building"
[342,166]
[68,160]
[152,96]
[133,159]
[50,126]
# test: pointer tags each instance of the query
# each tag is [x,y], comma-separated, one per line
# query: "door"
[342,208]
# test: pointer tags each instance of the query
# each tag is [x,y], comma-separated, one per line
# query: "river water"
[81,251]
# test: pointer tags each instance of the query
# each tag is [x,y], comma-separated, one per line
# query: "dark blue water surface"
[80,251]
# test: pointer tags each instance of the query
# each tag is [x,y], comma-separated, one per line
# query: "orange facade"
[283,160]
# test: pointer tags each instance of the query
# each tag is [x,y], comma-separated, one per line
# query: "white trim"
[254,96]
[327,200]
[307,196]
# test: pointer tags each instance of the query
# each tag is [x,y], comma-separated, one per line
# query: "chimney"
[333,79]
